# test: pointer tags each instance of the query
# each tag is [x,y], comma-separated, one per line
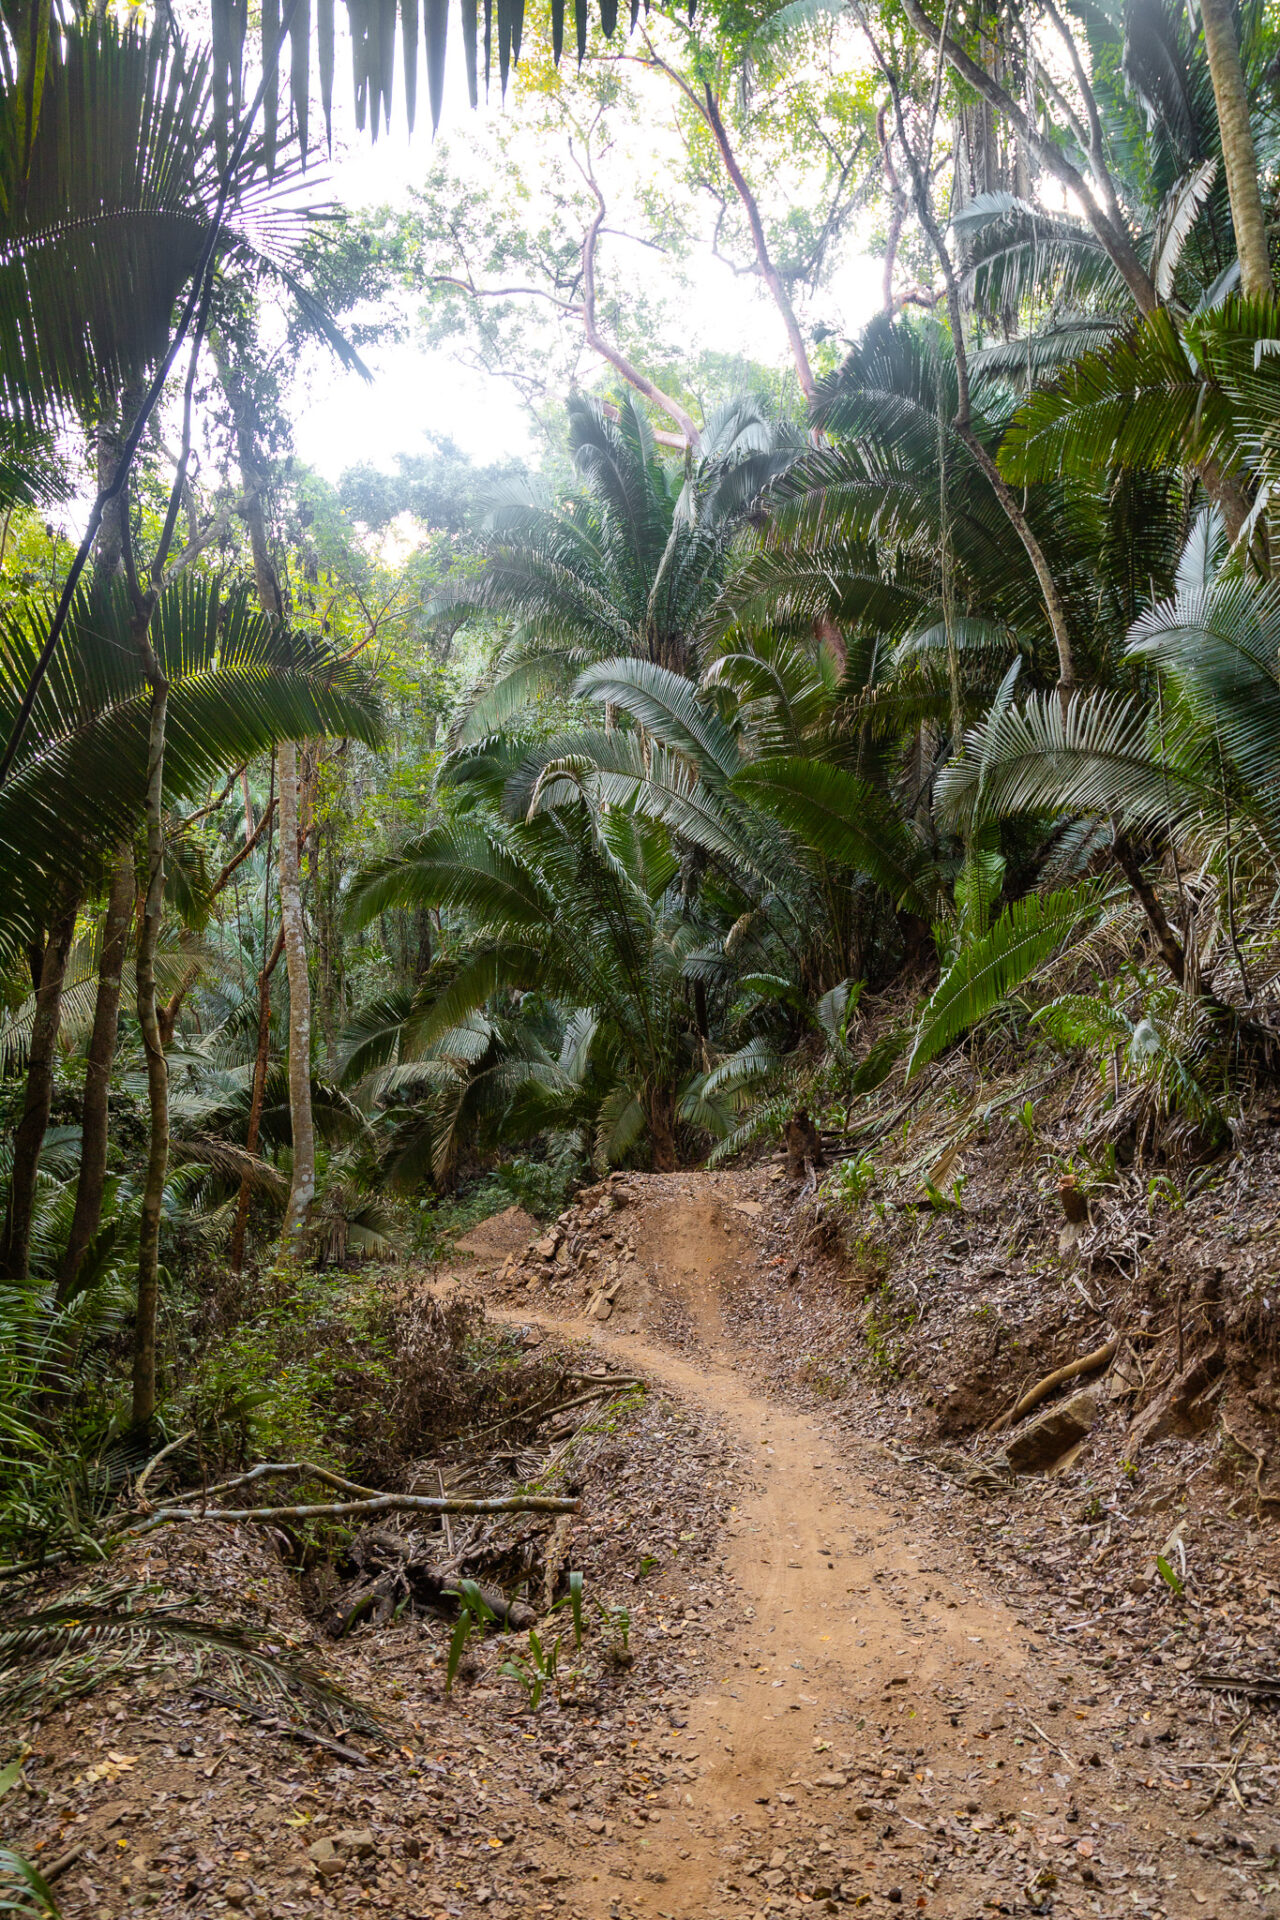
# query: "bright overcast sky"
[416,394]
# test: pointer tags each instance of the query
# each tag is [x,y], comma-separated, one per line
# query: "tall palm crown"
[628,565]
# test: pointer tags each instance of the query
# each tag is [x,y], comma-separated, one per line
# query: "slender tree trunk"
[303,1185]
[29,1137]
[1171,949]
[662,1130]
[302,1188]
[113,430]
[260,1061]
[92,1179]
[768,271]
[1236,133]
[144,1338]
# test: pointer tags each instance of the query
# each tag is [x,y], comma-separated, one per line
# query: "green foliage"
[1173,1580]
[543,1187]
[851,1182]
[23,1889]
[537,1670]
[300,1375]
[237,681]
[474,1612]
[989,968]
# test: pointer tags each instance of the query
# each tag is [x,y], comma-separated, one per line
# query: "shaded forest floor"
[869,1663]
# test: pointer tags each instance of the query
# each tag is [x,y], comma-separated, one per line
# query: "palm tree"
[627,566]
[238,683]
[581,905]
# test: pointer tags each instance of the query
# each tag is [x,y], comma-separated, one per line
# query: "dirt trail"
[857,1639]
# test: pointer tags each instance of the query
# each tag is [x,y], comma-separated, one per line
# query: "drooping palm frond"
[1096,757]
[104,218]
[665,703]
[1179,211]
[238,683]
[1014,251]
[987,970]
[843,819]
[1040,355]
[1140,401]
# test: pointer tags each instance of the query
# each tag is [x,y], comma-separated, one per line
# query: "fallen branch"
[619,1386]
[1087,1363]
[1262,1686]
[302,1469]
[350,1509]
[289,1729]
[156,1458]
[56,1868]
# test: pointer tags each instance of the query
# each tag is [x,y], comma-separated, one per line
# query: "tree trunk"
[255,1101]
[113,430]
[144,1338]
[768,271]
[253,473]
[662,1130]
[1236,133]
[302,1187]
[29,1137]
[91,1183]
[1171,949]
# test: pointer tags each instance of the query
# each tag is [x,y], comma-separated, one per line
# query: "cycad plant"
[581,905]
[627,565]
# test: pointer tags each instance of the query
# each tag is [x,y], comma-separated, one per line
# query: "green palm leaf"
[665,704]
[238,684]
[844,820]
[988,970]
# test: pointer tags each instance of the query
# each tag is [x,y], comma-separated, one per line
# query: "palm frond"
[51,1654]
[987,970]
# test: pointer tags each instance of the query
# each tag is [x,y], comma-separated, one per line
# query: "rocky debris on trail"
[500,1235]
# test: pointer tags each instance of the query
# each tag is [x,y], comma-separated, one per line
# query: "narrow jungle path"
[875,1727]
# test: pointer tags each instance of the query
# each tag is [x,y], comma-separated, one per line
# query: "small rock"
[832,1780]
[319,1851]
[1051,1433]
[357,1840]
[894,1896]
[235,1893]
[864,1812]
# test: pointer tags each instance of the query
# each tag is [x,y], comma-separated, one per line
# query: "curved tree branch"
[605,348]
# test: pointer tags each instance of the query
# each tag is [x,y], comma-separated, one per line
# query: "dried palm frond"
[55,1653]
